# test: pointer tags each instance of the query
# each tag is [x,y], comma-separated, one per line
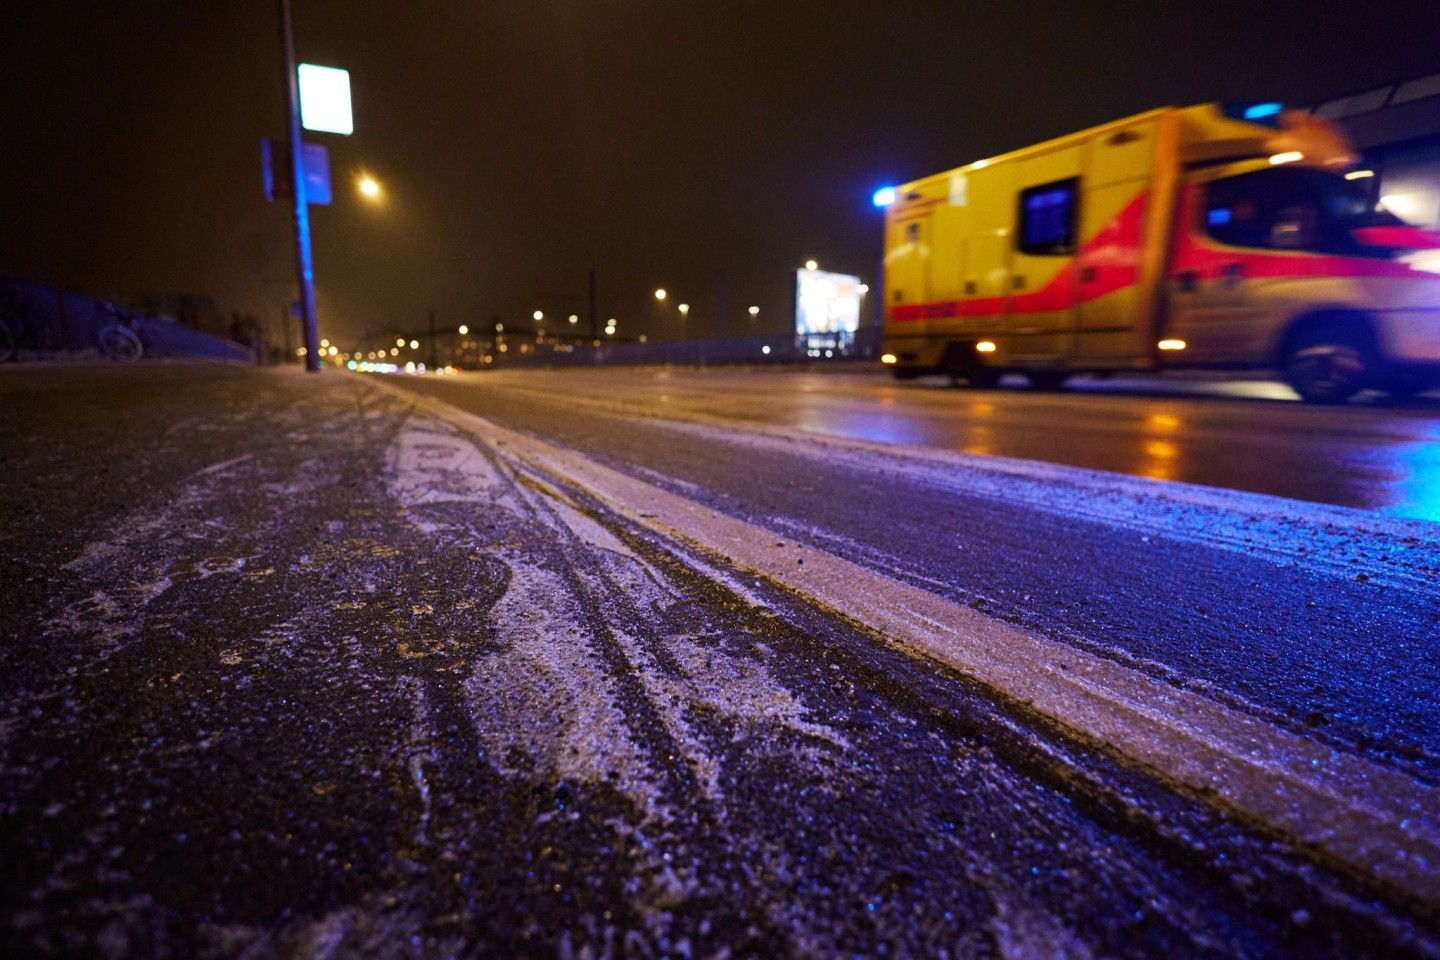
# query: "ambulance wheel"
[1047,379]
[1327,365]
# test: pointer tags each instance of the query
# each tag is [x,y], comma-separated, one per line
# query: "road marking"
[1376,821]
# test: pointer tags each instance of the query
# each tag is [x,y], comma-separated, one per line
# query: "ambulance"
[1219,236]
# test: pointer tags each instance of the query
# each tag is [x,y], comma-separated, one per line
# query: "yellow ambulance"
[1213,236]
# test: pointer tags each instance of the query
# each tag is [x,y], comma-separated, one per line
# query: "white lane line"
[1379,822]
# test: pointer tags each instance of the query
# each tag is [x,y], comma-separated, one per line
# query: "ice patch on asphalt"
[546,705]
[741,689]
[430,463]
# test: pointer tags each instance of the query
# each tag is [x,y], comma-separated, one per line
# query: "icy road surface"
[1376,453]
[301,667]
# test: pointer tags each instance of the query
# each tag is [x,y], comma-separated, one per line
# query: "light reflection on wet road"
[1243,435]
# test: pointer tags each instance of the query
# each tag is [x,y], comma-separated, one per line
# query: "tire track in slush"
[636,594]
[1368,821]
[677,795]
[581,618]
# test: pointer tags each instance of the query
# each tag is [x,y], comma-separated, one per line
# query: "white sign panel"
[827,303]
[325,99]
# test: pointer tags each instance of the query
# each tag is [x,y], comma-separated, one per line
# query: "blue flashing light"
[884,196]
[1218,217]
[1262,110]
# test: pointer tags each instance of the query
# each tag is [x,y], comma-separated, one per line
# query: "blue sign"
[316,160]
[275,169]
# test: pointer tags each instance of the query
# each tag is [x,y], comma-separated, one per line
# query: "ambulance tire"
[1047,379]
[964,368]
[1329,365]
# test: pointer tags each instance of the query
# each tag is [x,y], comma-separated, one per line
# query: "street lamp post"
[305,265]
[434,344]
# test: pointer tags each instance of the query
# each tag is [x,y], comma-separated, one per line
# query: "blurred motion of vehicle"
[1213,236]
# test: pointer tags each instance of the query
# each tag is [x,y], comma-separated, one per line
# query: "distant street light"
[414,344]
[754,311]
[538,315]
[811,265]
[684,310]
[369,186]
[464,329]
[661,294]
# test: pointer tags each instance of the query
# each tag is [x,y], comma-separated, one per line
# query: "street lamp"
[368,186]
[464,330]
[661,294]
[684,310]
[811,265]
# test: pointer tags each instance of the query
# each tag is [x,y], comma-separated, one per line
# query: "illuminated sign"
[827,306]
[325,99]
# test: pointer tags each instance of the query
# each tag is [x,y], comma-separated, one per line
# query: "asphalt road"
[309,666]
[1242,434]
[1290,615]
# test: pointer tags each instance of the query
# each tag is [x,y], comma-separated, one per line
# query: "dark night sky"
[523,143]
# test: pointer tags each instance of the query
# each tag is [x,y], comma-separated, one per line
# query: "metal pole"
[594,310]
[305,265]
[434,344]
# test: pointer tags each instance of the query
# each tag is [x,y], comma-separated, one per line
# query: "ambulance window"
[1291,209]
[1047,219]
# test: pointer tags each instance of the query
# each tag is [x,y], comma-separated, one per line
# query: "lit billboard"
[827,307]
[325,99]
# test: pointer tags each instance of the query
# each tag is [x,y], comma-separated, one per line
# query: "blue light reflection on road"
[878,427]
[1418,486]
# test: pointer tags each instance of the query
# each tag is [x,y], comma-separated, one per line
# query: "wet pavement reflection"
[1250,435]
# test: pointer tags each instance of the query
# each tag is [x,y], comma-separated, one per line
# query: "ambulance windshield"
[1294,208]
